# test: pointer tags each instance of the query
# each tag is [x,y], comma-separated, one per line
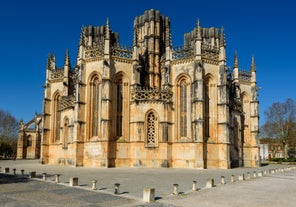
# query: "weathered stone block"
[149,194]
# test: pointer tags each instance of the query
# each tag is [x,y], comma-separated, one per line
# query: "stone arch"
[151,128]
[183,101]
[56,121]
[94,104]
[121,105]
[210,107]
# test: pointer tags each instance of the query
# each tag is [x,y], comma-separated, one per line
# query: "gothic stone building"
[150,105]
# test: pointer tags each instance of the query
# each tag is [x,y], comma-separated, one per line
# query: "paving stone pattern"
[22,191]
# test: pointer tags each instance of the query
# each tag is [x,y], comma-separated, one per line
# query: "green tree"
[281,123]
[8,134]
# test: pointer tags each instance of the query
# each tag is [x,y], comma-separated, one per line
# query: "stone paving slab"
[30,192]
[15,190]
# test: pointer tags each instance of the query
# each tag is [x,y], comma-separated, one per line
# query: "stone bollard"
[73,181]
[6,170]
[149,194]
[248,177]
[194,185]
[254,174]
[44,176]
[223,180]
[23,172]
[265,172]
[32,174]
[260,174]
[94,185]
[241,177]
[116,188]
[232,180]
[210,183]
[176,191]
[57,178]
[14,171]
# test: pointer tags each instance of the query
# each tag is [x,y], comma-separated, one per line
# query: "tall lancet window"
[206,110]
[183,109]
[95,107]
[119,99]
[57,118]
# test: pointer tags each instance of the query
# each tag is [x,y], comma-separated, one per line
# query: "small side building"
[273,148]
[28,146]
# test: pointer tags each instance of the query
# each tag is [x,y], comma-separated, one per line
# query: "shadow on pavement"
[7,179]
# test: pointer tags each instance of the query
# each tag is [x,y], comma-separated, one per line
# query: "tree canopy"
[8,134]
[281,123]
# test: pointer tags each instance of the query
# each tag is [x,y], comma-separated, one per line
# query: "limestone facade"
[151,104]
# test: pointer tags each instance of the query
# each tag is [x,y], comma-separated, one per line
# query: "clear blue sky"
[32,29]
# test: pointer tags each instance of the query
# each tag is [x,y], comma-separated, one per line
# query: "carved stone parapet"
[152,95]
[124,52]
[57,74]
[182,53]
[244,75]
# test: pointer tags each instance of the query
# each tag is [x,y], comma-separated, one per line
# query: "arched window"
[151,129]
[119,98]
[183,109]
[57,118]
[206,109]
[29,141]
[94,112]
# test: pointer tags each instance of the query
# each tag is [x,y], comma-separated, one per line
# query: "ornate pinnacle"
[48,61]
[198,35]
[67,59]
[52,61]
[52,57]
[253,65]
[107,29]
[198,23]
[222,38]
[235,64]
[81,40]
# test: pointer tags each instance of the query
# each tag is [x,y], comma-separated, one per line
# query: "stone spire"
[107,29]
[222,50]
[81,39]
[67,67]
[235,67]
[67,59]
[48,64]
[235,62]
[253,65]
[53,61]
[198,31]
[222,38]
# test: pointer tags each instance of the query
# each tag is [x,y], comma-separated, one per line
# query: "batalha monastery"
[149,105]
